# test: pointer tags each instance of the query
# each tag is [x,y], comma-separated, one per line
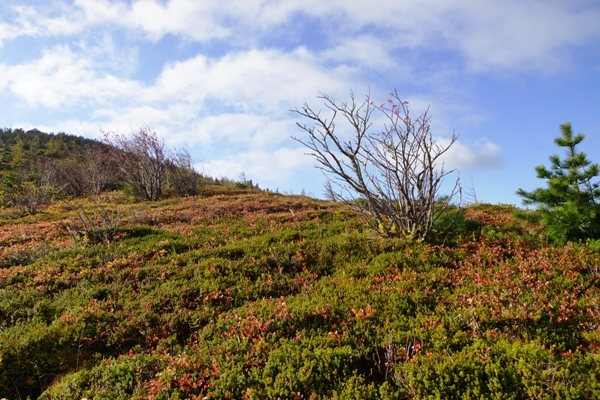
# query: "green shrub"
[501,370]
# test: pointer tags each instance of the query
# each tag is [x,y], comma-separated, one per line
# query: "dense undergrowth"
[250,295]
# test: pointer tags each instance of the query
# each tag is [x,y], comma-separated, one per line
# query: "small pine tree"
[569,205]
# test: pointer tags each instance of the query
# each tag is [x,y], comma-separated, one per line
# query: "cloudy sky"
[221,76]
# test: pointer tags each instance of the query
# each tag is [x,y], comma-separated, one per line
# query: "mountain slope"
[243,294]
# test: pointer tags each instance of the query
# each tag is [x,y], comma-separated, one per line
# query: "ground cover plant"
[247,294]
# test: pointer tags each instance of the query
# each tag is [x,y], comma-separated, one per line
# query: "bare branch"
[394,175]
[142,159]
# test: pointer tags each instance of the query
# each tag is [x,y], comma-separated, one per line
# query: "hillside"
[242,294]
[17,147]
[37,168]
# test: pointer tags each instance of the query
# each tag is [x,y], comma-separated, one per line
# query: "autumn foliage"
[245,294]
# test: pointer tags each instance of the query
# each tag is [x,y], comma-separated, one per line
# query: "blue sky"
[221,77]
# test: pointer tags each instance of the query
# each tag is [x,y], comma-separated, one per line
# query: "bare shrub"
[89,172]
[142,159]
[183,177]
[392,175]
[95,225]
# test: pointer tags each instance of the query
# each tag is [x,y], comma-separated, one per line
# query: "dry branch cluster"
[392,175]
[142,160]
[148,166]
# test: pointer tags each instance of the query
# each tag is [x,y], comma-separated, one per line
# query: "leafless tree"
[393,175]
[142,159]
[471,194]
[183,177]
[89,172]
[72,173]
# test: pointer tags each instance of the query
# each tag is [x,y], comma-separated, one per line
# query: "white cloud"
[489,34]
[57,18]
[192,19]
[517,35]
[483,155]
[367,51]
[269,168]
[239,131]
[60,78]
[266,81]
[79,128]
[512,34]
[250,80]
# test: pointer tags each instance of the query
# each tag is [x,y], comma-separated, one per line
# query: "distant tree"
[243,183]
[142,160]
[89,172]
[33,146]
[329,191]
[55,146]
[569,205]
[392,175]
[28,196]
[36,184]
[183,177]
[18,152]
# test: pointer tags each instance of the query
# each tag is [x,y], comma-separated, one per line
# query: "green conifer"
[569,205]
